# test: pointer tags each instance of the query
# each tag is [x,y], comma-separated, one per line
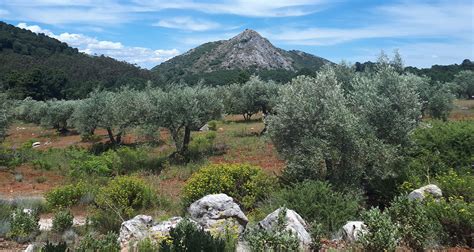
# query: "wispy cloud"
[142,56]
[408,20]
[248,8]
[187,23]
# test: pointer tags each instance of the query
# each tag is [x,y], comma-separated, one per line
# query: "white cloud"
[144,57]
[249,8]
[187,23]
[409,20]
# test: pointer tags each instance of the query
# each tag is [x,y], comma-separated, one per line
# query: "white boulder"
[420,193]
[294,223]
[135,229]
[204,128]
[352,231]
[215,212]
[36,144]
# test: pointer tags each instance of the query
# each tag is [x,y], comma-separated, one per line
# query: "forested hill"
[42,67]
[443,73]
[234,60]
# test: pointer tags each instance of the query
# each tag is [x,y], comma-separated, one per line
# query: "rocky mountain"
[226,60]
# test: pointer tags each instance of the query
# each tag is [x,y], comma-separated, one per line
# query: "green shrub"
[65,196]
[455,185]
[317,202]
[146,245]
[51,247]
[62,220]
[125,160]
[23,226]
[274,239]
[95,242]
[455,217]
[201,145]
[415,227]
[447,144]
[188,237]
[120,200]
[212,125]
[93,165]
[245,183]
[382,234]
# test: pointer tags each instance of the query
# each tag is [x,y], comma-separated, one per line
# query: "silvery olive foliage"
[250,98]
[346,136]
[5,115]
[182,109]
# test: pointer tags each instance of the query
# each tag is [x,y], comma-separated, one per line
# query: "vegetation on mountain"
[41,67]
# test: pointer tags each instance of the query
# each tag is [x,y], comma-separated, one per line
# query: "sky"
[148,32]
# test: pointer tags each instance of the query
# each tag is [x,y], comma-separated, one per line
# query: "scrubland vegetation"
[344,145]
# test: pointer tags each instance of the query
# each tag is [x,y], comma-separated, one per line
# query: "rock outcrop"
[294,223]
[420,193]
[352,231]
[216,212]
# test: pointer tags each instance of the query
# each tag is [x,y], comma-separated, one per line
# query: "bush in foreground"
[120,200]
[23,226]
[245,183]
[382,234]
[317,202]
[62,220]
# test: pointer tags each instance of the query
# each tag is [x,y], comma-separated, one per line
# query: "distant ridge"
[248,52]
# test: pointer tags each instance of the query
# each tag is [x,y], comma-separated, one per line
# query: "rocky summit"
[247,51]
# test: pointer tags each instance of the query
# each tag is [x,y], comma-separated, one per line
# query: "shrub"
[92,165]
[382,233]
[119,201]
[23,226]
[212,125]
[146,245]
[50,247]
[318,202]
[454,185]
[202,145]
[188,237]
[246,184]
[95,242]
[415,227]
[125,160]
[275,239]
[65,196]
[62,220]
[452,143]
[456,218]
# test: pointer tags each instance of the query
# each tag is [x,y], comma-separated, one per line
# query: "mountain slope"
[247,53]
[42,67]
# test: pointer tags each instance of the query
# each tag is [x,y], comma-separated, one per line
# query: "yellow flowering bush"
[245,183]
[120,200]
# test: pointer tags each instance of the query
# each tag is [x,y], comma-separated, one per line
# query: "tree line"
[182,109]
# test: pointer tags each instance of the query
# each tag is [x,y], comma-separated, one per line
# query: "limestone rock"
[422,192]
[294,223]
[352,230]
[204,128]
[216,212]
[135,229]
[163,228]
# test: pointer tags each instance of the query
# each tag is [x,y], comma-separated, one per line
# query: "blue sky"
[147,32]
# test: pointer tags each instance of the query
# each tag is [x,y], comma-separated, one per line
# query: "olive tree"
[465,84]
[348,139]
[314,129]
[5,115]
[251,97]
[114,111]
[183,109]
[57,114]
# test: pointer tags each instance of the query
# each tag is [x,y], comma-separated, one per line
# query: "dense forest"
[41,67]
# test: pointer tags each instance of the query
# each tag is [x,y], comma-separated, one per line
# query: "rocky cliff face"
[246,51]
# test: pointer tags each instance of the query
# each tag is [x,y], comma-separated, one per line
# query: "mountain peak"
[247,50]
